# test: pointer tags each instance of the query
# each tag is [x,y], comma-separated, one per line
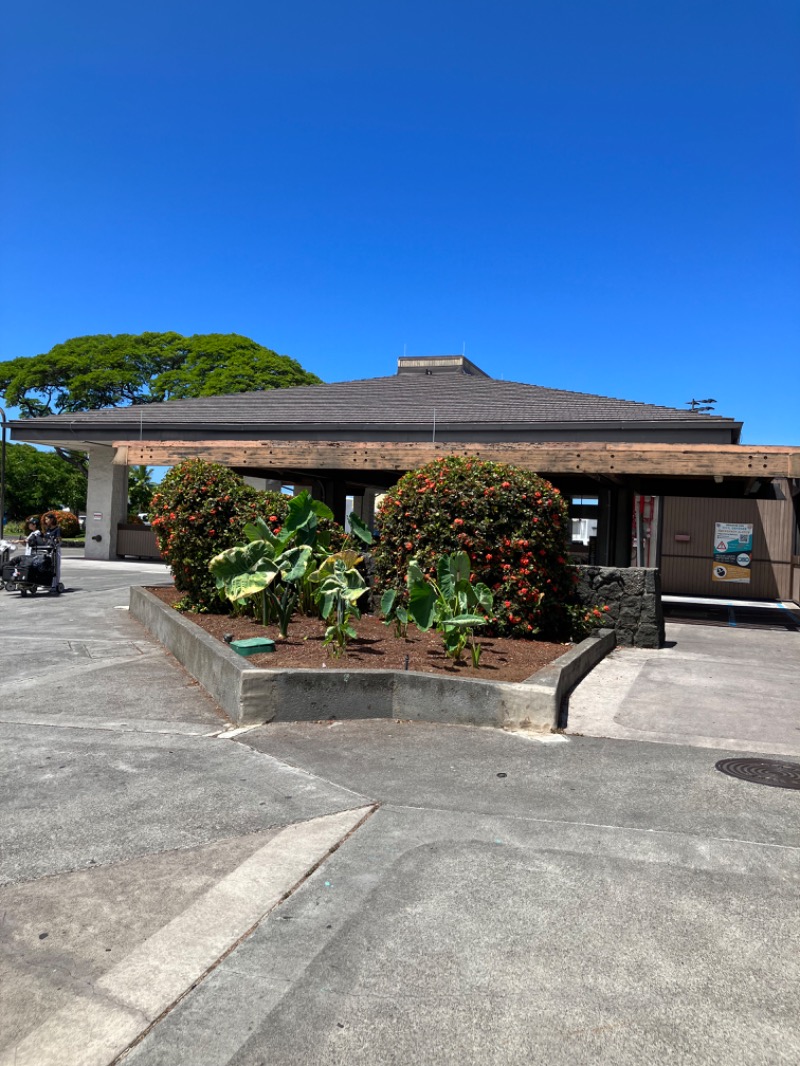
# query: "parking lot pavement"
[713,687]
[365,892]
[601,902]
[122,810]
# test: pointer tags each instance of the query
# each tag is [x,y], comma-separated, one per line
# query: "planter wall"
[249,694]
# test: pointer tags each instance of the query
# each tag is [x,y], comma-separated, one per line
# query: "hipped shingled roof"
[461,396]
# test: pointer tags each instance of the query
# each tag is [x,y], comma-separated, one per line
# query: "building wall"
[686,565]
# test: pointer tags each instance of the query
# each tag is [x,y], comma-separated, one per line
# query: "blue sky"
[600,195]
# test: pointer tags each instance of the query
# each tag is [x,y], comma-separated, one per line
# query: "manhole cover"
[771,772]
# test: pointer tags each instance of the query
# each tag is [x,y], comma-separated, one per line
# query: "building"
[622,463]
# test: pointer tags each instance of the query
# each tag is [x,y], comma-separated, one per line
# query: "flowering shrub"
[67,522]
[512,524]
[199,510]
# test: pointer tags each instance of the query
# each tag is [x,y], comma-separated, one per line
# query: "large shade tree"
[102,370]
[86,373]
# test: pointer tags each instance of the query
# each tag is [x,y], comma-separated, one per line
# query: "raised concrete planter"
[249,694]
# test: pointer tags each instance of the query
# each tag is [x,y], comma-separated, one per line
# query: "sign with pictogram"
[733,552]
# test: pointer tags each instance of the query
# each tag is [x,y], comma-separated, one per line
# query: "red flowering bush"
[513,525]
[67,522]
[199,510]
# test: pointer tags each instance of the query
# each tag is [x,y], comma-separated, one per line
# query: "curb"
[250,695]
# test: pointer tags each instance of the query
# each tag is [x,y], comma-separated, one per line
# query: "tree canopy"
[37,481]
[102,370]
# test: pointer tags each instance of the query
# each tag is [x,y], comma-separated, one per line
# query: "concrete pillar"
[106,504]
[365,505]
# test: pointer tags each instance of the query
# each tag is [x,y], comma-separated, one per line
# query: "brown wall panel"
[686,565]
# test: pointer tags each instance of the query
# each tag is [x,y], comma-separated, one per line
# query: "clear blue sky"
[601,196]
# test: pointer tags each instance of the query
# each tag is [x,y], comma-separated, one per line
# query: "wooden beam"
[608,459]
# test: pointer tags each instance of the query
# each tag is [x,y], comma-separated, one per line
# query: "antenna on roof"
[463,347]
[701,406]
[404,351]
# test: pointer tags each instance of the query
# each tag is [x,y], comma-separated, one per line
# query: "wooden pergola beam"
[609,459]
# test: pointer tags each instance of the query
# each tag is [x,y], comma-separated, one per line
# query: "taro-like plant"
[264,568]
[340,588]
[451,604]
[394,613]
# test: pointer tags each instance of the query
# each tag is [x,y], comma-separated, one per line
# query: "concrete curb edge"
[251,695]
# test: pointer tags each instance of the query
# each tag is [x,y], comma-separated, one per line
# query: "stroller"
[28,573]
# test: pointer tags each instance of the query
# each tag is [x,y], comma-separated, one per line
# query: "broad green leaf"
[247,558]
[414,575]
[387,602]
[327,603]
[444,574]
[321,510]
[484,596]
[360,529]
[238,588]
[355,580]
[259,530]
[302,513]
[460,566]
[421,604]
[292,563]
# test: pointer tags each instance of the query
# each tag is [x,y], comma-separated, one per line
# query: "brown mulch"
[377,647]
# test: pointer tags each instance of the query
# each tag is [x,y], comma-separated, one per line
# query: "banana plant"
[450,604]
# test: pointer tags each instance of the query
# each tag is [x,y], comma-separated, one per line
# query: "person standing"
[52,537]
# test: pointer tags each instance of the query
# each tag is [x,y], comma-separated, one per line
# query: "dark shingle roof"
[401,400]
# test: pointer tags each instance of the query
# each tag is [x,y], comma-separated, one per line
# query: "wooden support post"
[338,499]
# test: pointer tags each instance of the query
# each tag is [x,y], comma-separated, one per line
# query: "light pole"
[3,474]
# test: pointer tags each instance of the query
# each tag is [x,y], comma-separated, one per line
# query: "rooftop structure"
[446,395]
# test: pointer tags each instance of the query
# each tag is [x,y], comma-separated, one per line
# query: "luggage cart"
[27,574]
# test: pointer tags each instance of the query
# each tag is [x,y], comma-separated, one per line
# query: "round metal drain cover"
[771,772]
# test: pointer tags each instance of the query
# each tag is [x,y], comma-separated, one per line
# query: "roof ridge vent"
[435,365]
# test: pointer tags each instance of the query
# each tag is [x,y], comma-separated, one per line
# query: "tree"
[87,373]
[140,489]
[102,370]
[37,481]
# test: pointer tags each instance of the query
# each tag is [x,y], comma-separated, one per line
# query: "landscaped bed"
[376,647]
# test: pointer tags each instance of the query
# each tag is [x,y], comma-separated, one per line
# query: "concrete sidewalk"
[369,892]
[713,687]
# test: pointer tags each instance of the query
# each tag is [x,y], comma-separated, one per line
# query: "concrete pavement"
[366,892]
[713,687]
